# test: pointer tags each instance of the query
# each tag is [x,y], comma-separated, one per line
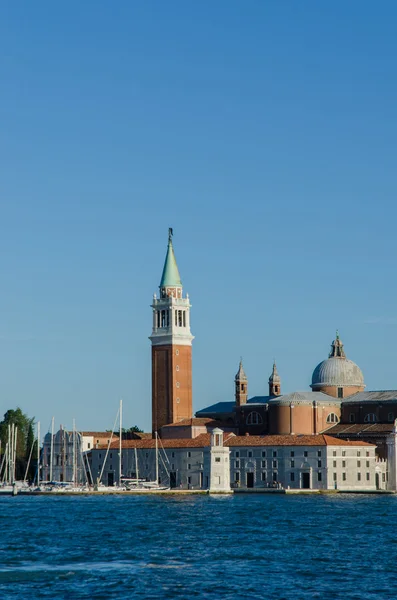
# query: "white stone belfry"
[391,442]
[217,464]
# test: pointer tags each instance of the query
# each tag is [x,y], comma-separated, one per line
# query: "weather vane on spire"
[170,233]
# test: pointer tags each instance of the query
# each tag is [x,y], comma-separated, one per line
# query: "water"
[247,546]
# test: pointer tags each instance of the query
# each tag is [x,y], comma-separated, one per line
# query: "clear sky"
[263,132]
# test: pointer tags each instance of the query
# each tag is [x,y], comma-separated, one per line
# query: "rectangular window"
[237,477]
[249,454]
[368,477]
[263,453]
[319,464]
[358,476]
[335,477]
[172,454]
[190,466]
[237,454]
[274,464]
[367,464]
[359,463]
[111,455]
[263,476]
[274,453]
[173,467]
[189,480]
[292,464]
[358,453]
[334,453]
[292,476]
[319,476]
[343,452]
[237,464]
[305,454]
[89,446]
[263,464]
[292,453]
[344,476]
[343,464]
[189,454]
[318,452]
[340,392]
[334,464]
[217,459]
[367,453]
[274,476]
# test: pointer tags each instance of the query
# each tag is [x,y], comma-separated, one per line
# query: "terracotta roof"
[291,440]
[193,421]
[199,422]
[359,428]
[232,440]
[99,434]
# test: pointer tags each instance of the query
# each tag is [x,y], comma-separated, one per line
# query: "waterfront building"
[312,462]
[171,348]
[68,450]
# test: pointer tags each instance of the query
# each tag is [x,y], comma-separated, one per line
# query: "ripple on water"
[199,547]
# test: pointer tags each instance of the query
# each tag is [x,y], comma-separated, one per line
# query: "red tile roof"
[99,434]
[232,440]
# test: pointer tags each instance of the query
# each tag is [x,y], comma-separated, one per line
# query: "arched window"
[332,418]
[352,418]
[370,418]
[254,418]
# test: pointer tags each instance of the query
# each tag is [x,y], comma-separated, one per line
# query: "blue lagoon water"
[247,546]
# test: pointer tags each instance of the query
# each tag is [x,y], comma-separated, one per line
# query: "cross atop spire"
[274,382]
[240,375]
[337,348]
[170,277]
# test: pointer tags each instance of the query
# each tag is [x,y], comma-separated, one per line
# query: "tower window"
[158,318]
[163,318]
[340,392]
[177,384]
[184,318]
[179,318]
[243,388]
[177,352]
[176,318]
[168,318]
[177,368]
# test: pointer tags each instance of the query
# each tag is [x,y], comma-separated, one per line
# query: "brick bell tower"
[171,348]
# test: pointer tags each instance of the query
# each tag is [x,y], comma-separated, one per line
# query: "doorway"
[172,479]
[306,481]
[250,480]
[377,481]
[110,479]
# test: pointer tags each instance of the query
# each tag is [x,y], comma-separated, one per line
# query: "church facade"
[337,404]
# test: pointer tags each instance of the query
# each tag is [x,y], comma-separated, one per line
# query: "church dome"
[337,370]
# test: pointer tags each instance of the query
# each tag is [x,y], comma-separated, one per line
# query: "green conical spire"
[170,276]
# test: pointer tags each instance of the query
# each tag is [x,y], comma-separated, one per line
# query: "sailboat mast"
[157,459]
[38,453]
[136,466]
[52,448]
[74,452]
[15,453]
[121,439]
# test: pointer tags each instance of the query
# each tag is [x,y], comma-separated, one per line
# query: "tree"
[25,429]
[135,429]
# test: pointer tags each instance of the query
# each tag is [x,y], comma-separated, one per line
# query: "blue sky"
[264,133]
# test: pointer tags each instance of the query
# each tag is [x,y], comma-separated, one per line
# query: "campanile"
[171,348]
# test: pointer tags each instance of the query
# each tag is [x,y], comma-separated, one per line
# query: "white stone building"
[312,462]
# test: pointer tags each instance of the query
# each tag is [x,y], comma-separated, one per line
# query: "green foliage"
[25,437]
[135,429]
